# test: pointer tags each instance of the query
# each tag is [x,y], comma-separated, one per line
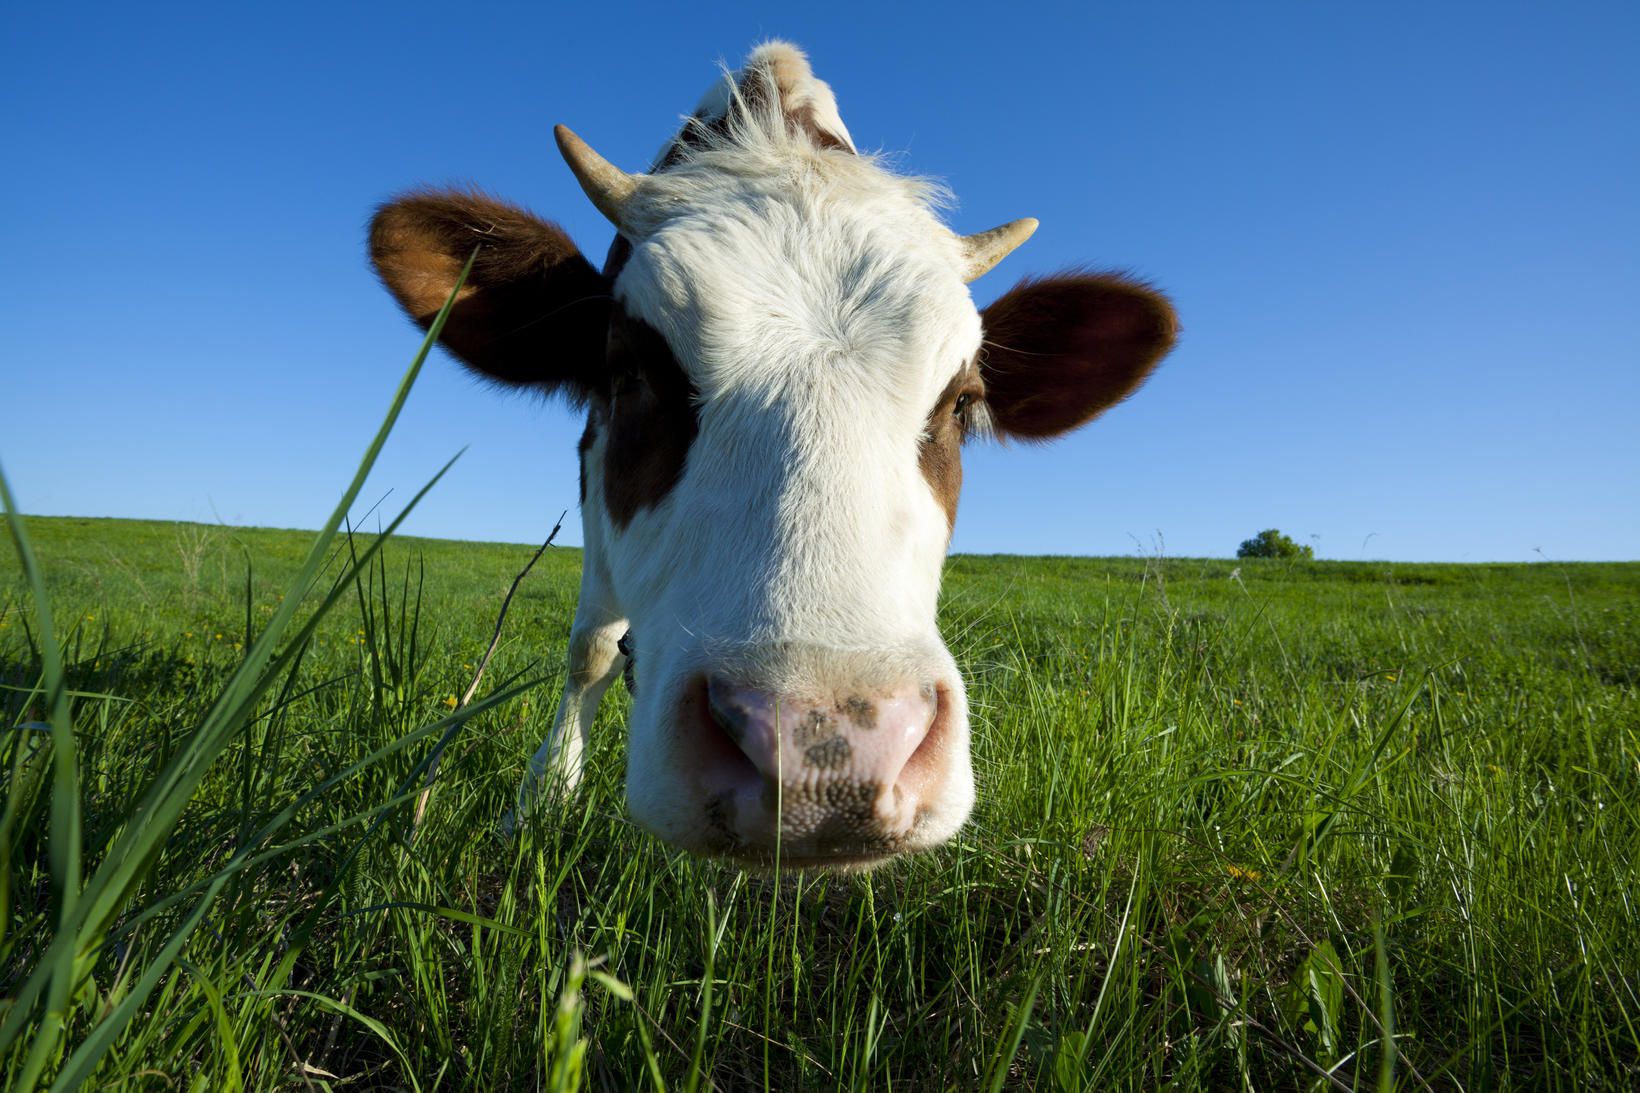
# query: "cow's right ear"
[533,311]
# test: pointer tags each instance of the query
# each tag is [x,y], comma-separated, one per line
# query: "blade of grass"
[65,804]
[86,913]
[248,855]
[165,800]
[999,1069]
[90,1051]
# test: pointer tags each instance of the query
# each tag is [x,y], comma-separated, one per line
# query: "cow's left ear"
[1061,350]
[533,313]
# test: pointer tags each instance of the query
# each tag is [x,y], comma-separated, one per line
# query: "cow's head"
[781,363]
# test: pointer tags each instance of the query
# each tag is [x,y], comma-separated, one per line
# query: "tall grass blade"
[1010,1048]
[87,914]
[65,810]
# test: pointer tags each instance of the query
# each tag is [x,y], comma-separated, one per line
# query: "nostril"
[728,714]
[925,759]
[725,722]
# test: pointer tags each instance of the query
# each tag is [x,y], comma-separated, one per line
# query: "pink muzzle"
[836,778]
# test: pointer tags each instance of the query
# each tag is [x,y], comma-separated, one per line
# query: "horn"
[607,185]
[985,249]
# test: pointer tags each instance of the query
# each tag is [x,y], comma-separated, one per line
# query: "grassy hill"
[1240,823]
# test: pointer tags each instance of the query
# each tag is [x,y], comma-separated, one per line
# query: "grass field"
[1254,825]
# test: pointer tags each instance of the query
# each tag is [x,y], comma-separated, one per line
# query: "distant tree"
[1270,543]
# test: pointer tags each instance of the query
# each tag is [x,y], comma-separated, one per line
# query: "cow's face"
[781,361]
[800,331]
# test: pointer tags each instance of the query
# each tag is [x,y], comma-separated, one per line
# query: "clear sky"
[1404,241]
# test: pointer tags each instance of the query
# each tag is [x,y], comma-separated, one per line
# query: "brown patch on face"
[941,456]
[651,419]
[589,436]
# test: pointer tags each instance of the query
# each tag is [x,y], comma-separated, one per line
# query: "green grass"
[1240,824]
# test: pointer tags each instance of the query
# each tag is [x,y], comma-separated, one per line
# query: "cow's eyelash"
[974,416]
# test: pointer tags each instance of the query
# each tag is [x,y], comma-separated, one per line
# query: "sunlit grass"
[1238,827]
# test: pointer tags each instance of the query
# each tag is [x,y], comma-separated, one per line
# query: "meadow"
[1257,825]
[1250,824]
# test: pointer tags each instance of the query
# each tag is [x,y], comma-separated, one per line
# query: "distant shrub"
[1270,543]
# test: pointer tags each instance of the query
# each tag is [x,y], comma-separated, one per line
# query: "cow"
[780,363]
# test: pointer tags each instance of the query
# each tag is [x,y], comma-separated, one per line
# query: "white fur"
[799,89]
[817,304]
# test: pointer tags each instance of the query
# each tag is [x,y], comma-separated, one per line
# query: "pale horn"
[983,250]
[607,185]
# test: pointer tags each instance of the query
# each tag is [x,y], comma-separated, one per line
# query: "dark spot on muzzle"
[816,727]
[833,754]
[859,711]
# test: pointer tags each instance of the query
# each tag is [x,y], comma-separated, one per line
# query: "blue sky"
[1404,241]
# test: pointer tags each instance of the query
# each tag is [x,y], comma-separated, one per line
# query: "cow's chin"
[707,839]
[692,785]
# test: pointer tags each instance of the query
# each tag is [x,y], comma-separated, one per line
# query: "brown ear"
[533,310]
[1061,350]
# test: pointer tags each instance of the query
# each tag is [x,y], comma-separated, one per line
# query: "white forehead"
[786,269]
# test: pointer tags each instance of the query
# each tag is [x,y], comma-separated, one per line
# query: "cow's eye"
[628,381]
[968,409]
